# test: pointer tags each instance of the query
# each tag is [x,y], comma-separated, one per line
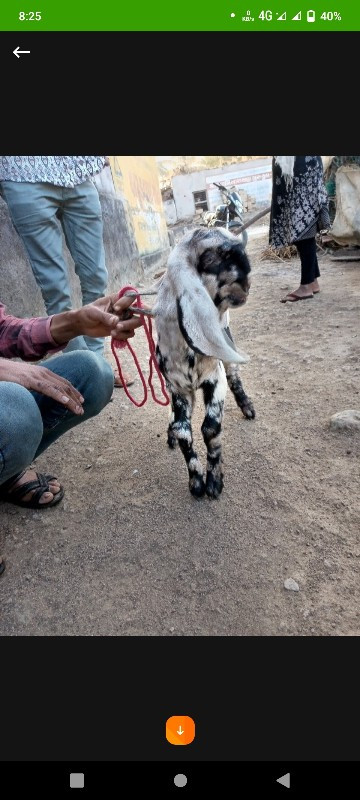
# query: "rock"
[348,420]
[135,471]
[291,585]
[172,630]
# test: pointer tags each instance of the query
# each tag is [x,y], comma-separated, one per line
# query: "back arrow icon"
[17,52]
[180,732]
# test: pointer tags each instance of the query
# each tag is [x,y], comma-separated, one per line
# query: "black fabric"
[309,263]
[299,206]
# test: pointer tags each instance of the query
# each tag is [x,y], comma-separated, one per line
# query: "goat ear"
[200,325]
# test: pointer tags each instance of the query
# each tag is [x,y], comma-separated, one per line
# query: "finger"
[57,393]
[107,320]
[122,303]
[62,384]
[126,325]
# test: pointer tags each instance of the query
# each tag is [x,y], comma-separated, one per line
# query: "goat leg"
[182,431]
[214,395]
[235,385]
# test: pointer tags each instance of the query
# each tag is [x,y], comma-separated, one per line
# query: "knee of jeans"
[21,428]
[100,383]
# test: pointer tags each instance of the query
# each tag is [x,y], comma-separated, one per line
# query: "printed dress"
[299,206]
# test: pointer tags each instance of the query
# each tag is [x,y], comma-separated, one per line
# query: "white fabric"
[346,226]
[286,164]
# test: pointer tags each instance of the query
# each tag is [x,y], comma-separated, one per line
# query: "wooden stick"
[254,219]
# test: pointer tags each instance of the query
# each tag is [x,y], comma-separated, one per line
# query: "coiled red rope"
[118,345]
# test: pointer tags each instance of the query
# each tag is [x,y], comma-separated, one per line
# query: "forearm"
[65,326]
[29,339]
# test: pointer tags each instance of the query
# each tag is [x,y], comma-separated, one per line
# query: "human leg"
[33,209]
[309,272]
[81,218]
[92,377]
[30,422]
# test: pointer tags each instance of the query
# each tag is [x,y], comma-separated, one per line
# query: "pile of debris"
[278,253]
[249,202]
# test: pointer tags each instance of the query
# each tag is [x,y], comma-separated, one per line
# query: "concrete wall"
[126,261]
[136,179]
[170,212]
[254,177]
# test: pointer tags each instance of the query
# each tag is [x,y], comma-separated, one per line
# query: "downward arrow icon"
[180,731]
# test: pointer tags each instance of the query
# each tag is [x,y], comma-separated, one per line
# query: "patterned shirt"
[58,170]
[29,339]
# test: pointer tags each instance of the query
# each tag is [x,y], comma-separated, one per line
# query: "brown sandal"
[296,297]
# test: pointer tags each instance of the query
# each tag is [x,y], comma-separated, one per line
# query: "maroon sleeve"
[29,339]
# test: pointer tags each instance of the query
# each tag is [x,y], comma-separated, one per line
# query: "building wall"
[254,177]
[137,179]
[170,212]
[135,238]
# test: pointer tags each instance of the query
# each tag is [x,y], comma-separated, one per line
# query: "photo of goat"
[208,273]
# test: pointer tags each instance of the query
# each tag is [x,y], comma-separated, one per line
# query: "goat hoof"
[248,409]
[197,486]
[214,486]
[171,440]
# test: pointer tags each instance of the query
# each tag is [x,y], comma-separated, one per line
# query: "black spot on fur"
[191,360]
[161,360]
[228,331]
[208,388]
[184,332]
[210,428]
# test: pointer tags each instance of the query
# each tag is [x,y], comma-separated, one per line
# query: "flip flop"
[296,297]
[119,385]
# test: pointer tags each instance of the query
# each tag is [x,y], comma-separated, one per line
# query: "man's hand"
[104,317]
[42,380]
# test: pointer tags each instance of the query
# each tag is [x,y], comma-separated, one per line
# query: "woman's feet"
[304,292]
[315,288]
[32,489]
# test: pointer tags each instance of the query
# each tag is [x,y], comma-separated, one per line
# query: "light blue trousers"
[40,212]
[30,422]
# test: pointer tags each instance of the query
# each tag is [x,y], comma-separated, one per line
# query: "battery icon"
[310,16]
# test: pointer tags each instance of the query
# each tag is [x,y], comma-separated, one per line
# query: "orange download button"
[180,730]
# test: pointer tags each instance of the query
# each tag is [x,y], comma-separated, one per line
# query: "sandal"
[118,384]
[38,486]
[292,297]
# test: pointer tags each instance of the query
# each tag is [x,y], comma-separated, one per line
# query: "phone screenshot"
[179,398]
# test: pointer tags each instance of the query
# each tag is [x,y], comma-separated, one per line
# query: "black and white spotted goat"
[208,273]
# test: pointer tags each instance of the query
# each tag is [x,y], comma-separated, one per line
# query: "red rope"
[118,345]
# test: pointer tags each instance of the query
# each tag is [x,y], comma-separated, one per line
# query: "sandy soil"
[130,552]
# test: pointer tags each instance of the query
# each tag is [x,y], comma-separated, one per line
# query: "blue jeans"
[30,422]
[40,212]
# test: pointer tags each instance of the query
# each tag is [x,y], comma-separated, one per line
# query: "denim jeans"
[30,422]
[40,212]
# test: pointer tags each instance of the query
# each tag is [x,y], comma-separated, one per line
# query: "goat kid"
[207,273]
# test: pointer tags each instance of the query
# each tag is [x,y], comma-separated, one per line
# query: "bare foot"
[30,475]
[314,286]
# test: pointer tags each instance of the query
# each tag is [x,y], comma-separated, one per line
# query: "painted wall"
[254,177]
[137,179]
[135,236]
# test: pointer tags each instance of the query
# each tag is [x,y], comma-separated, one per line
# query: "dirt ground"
[130,552]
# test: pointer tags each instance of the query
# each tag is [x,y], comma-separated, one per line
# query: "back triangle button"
[284,780]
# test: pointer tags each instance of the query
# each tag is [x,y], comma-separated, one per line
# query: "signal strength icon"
[283,17]
[297,16]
